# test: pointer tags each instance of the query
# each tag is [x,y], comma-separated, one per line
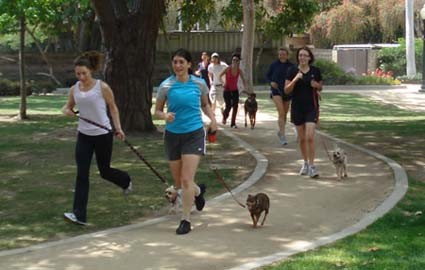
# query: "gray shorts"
[177,145]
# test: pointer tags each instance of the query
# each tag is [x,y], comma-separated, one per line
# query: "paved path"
[304,213]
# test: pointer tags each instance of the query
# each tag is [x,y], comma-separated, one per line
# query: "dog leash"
[326,148]
[138,154]
[220,178]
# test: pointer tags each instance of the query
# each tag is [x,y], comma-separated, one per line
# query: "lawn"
[396,241]
[37,174]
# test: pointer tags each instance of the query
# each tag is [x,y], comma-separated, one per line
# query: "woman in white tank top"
[93,98]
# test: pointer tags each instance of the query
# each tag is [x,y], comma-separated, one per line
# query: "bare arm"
[289,85]
[159,111]
[67,109]
[222,74]
[108,95]
[243,79]
[206,108]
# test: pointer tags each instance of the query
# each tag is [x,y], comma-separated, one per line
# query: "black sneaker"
[184,227]
[200,200]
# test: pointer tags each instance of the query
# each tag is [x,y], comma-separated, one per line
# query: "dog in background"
[339,159]
[256,205]
[251,107]
[174,197]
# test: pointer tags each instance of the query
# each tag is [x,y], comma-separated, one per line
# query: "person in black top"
[304,82]
[202,70]
[276,76]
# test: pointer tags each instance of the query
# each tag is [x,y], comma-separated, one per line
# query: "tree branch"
[43,55]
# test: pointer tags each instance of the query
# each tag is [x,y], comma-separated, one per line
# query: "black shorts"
[177,145]
[299,118]
[278,92]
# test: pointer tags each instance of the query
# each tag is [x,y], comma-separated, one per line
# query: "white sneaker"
[129,189]
[313,172]
[282,138]
[71,217]
[304,169]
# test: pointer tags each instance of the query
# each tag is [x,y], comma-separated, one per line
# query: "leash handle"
[138,154]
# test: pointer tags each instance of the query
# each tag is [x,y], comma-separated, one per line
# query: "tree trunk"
[130,44]
[23,90]
[248,42]
[410,41]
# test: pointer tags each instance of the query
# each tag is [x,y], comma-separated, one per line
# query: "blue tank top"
[183,99]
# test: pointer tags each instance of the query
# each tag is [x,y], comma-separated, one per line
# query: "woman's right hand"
[299,76]
[68,112]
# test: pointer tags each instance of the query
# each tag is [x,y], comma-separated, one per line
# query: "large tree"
[130,30]
[248,42]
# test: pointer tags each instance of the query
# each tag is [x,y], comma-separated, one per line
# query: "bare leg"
[310,126]
[280,113]
[175,167]
[187,175]
[302,141]
[286,105]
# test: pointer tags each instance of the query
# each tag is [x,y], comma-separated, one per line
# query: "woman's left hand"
[213,126]
[120,134]
[315,84]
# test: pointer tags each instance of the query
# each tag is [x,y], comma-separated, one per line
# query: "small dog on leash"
[256,205]
[251,107]
[174,196]
[339,159]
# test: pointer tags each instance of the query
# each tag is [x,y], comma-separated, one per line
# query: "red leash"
[141,157]
[218,175]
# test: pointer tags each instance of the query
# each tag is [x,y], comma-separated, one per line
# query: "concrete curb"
[258,172]
[400,189]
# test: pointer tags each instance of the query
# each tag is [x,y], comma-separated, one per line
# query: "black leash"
[220,178]
[141,157]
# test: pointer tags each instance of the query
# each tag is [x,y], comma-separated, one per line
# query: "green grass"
[37,174]
[396,241]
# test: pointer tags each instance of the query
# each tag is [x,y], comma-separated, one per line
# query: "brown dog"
[256,205]
[251,107]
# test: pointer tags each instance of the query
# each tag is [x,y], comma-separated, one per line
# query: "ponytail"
[90,59]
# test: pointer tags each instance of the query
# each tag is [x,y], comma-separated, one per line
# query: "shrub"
[333,74]
[394,59]
[43,87]
[12,88]
[376,80]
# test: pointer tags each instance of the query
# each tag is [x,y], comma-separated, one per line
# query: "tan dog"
[174,196]
[339,159]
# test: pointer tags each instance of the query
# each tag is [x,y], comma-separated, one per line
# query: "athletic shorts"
[177,145]
[299,118]
[278,92]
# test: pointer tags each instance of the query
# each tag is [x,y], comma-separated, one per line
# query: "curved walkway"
[304,213]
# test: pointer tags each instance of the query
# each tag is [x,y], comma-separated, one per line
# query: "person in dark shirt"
[202,70]
[276,76]
[304,82]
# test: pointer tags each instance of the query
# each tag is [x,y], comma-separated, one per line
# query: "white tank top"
[92,106]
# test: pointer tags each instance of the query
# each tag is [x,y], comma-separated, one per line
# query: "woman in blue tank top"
[185,96]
